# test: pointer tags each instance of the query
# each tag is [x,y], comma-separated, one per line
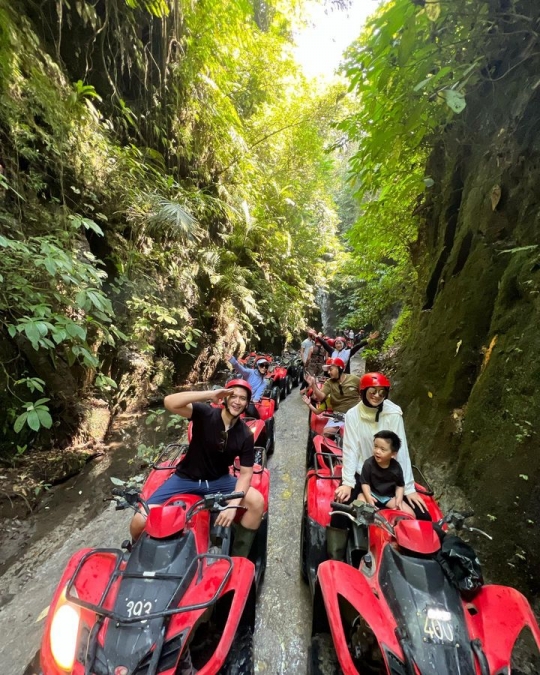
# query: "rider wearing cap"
[341,387]
[256,378]
[373,413]
[218,437]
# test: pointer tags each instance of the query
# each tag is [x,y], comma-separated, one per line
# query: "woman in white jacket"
[374,413]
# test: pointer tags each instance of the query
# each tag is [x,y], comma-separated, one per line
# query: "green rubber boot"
[243,539]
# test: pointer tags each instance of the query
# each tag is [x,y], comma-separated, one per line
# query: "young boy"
[382,477]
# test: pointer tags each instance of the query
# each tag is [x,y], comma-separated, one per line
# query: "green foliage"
[409,74]
[36,416]
[176,185]
[52,297]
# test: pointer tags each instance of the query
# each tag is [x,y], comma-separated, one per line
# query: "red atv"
[317,423]
[295,367]
[317,532]
[174,603]
[280,378]
[415,605]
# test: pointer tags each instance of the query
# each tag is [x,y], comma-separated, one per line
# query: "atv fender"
[497,615]
[320,489]
[48,664]
[339,579]
[242,582]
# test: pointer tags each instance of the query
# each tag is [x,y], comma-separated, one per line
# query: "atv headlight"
[63,635]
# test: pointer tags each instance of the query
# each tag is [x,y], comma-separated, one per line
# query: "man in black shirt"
[218,436]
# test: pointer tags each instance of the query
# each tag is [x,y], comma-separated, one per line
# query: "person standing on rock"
[372,414]
[218,437]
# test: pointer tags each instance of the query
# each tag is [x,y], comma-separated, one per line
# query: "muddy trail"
[34,551]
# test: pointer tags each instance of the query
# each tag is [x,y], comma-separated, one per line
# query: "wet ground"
[34,552]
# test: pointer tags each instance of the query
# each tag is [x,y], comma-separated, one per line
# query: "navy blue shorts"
[176,485]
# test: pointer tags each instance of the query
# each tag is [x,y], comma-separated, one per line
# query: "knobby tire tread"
[240,657]
[322,656]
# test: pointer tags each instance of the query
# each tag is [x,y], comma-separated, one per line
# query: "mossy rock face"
[469,371]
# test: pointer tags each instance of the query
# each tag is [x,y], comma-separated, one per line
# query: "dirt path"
[283,624]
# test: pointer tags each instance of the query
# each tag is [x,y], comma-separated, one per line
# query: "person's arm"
[404,459]
[181,403]
[318,393]
[245,372]
[325,345]
[243,483]
[313,409]
[363,343]
[366,491]
[348,477]
[365,481]
[399,498]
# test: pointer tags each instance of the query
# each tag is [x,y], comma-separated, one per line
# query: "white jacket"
[360,427]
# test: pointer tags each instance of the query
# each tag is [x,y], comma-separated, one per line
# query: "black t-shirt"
[382,482]
[212,450]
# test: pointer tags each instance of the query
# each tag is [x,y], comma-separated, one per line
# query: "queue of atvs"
[395,596]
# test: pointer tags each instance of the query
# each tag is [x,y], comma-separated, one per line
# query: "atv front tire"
[303,545]
[276,396]
[271,437]
[322,657]
[240,657]
[289,384]
[310,450]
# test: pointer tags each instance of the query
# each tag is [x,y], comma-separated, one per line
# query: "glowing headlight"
[64,632]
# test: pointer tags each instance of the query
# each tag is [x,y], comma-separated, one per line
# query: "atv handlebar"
[130,498]
[338,416]
[457,520]
[362,514]
[215,502]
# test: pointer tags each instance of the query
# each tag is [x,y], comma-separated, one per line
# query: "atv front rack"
[195,568]
[170,457]
[331,463]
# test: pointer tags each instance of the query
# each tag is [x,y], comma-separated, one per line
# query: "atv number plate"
[138,608]
[438,627]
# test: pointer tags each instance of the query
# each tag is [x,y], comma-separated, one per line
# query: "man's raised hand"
[217,395]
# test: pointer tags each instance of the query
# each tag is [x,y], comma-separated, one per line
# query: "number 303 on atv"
[174,603]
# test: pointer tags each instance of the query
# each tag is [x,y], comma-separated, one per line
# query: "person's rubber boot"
[243,539]
[336,543]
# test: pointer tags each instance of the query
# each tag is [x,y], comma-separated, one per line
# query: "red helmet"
[340,339]
[374,380]
[240,383]
[334,362]
[330,341]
